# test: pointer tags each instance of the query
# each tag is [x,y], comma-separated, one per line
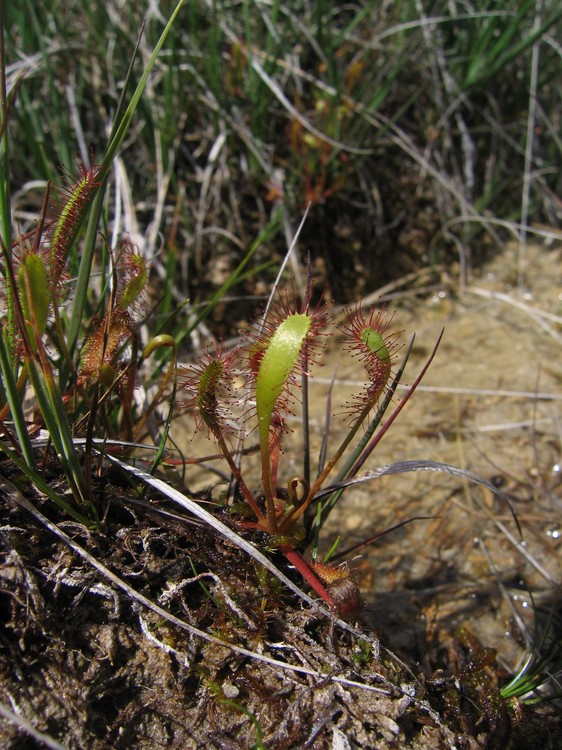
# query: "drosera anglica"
[281,348]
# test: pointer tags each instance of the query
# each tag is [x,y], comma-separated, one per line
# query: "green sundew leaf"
[33,283]
[73,212]
[136,283]
[277,364]
[375,343]
[163,339]
[207,401]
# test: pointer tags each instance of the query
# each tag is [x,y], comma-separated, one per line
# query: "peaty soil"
[82,661]
[85,661]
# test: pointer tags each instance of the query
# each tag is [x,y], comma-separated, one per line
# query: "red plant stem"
[262,520]
[296,559]
[292,517]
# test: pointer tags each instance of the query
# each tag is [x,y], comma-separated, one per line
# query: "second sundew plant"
[68,391]
[251,389]
[64,362]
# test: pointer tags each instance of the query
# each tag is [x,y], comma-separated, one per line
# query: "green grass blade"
[14,402]
[486,67]
[39,483]
[52,408]
[5,198]
[5,211]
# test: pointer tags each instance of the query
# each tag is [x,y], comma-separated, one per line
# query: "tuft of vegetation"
[426,132]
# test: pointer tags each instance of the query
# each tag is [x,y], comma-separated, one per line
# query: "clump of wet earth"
[85,659]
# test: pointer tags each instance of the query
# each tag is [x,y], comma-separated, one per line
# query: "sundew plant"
[249,392]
